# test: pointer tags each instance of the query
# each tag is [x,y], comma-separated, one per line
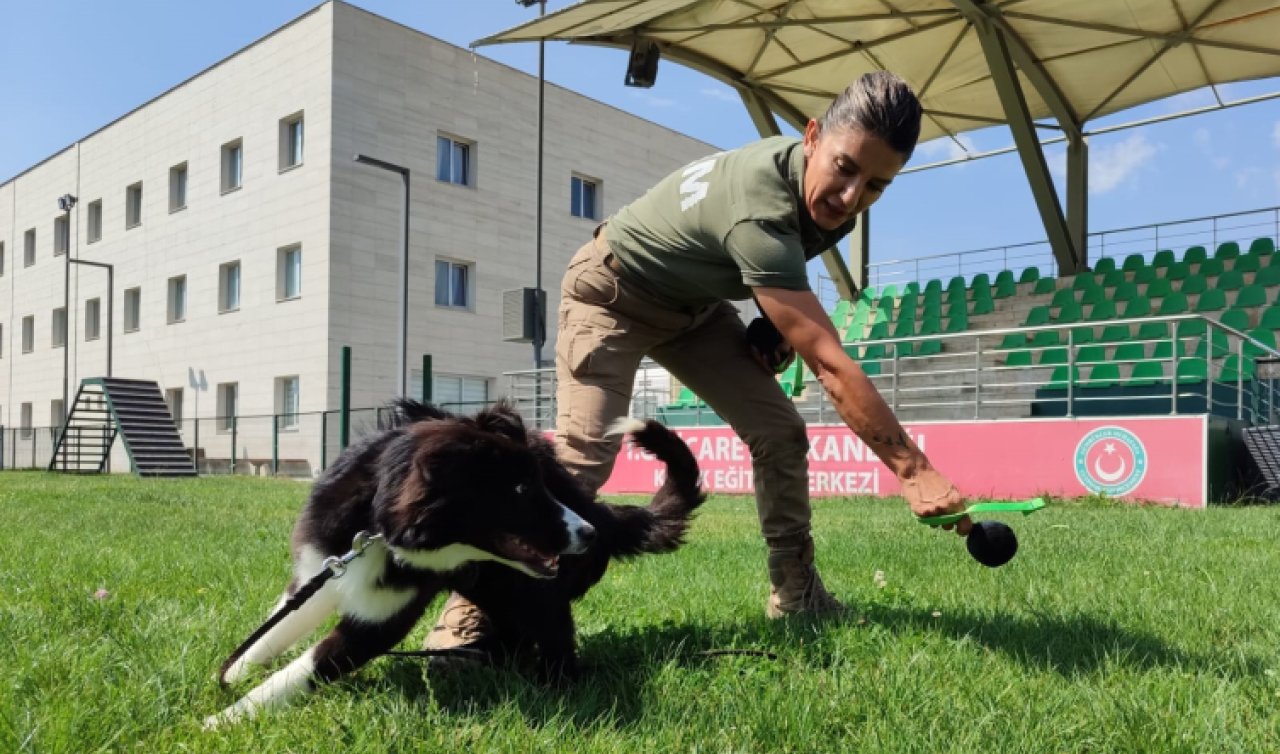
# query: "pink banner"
[1159,459]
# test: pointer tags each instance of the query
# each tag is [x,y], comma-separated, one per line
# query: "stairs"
[133,409]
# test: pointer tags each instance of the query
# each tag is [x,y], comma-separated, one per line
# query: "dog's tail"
[661,525]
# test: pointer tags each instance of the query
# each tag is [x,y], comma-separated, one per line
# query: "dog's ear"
[503,419]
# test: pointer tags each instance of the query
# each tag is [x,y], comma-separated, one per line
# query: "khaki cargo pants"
[608,323]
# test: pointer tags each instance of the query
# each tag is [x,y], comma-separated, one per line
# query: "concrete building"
[248,247]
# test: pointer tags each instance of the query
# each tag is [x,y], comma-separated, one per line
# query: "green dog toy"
[1025,507]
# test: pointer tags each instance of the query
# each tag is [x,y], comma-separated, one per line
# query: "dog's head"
[455,490]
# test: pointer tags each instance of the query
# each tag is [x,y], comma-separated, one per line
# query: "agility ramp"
[135,411]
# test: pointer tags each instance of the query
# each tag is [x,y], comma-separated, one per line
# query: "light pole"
[65,203]
[402,340]
[540,324]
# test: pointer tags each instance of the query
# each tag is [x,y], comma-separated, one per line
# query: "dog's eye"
[520,489]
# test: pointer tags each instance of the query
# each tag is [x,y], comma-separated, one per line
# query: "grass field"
[1116,629]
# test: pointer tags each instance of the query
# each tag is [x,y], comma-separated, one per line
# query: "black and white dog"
[442,491]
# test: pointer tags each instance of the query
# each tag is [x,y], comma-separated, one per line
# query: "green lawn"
[1116,629]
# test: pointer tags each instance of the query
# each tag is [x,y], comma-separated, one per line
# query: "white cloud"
[652,100]
[1112,165]
[722,93]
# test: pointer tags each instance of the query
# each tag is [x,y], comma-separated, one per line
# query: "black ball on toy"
[992,543]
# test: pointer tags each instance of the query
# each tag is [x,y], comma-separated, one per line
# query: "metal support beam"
[761,115]
[1078,197]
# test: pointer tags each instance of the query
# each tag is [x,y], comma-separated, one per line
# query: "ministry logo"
[1110,460]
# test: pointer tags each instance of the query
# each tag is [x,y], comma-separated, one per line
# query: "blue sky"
[68,68]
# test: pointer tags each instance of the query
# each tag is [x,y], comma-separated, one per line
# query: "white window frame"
[178,187]
[1,259]
[24,421]
[460,392]
[93,231]
[176,307]
[133,309]
[133,205]
[450,151]
[292,140]
[577,203]
[228,400]
[173,398]
[29,247]
[58,328]
[57,413]
[61,234]
[29,333]
[225,287]
[288,395]
[449,267]
[92,319]
[232,165]
[285,269]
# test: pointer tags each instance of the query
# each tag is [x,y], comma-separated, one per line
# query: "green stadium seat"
[957,283]
[889,291]
[904,328]
[1231,280]
[1194,254]
[870,293]
[1270,318]
[1221,344]
[881,315]
[1231,371]
[1192,328]
[1227,250]
[1146,374]
[1210,268]
[930,325]
[1236,318]
[931,309]
[981,280]
[1052,356]
[1266,337]
[1068,313]
[1114,334]
[1062,297]
[1163,350]
[840,315]
[1145,275]
[1103,376]
[1177,271]
[1126,352]
[1113,278]
[1083,281]
[1194,284]
[911,289]
[1091,354]
[1251,296]
[1133,263]
[1006,285]
[1013,340]
[1058,379]
[1262,246]
[1018,359]
[1102,311]
[1092,296]
[1213,300]
[1137,307]
[1191,371]
[1045,339]
[1158,288]
[1038,315]
[879,331]
[1174,303]
[983,305]
[1044,285]
[1104,265]
[1247,263]
[1081,335]
[904,349]
[1267,276]
[928,347]
[933,287]
[874,352]
[871,368]
[1125,292]
[1029,275]
[1153,330]
[957,322]
[1163,258]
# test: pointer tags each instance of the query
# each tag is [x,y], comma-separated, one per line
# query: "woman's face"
[846,170]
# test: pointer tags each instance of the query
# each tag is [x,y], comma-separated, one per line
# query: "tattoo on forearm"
[901,440]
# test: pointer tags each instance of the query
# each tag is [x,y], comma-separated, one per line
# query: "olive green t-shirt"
[723,225]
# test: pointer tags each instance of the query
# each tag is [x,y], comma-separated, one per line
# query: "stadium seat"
[1194,254]
[981,280]
[889,291]
[1227,250]
[1068,313]
[1192,370]
[1213,300]
[1058,380]
[1053,356]
[931,324]
[1262,246]
[1125,291]
[1174,303]
[911,289]
[1005,286]
[928,347]
[1231,371]
[1270,318]
[1221,344]
[840,315]
[1158,288]
[1038,315]
[1231,280]
[1163,350]
[933,287]
[879,331]
[1083,281]
[1102,311]
[1062,297]
[1153,330]
[1092,296]
[983,304]
[1194,284]
[1137,307]
[1265,337]
[1113,278]
[1210,268]
[1133,263]
[958,322]
[1267,276]
[1236,318]
[1029,275]
[1081,335]
[957,283]
[1014,340]
[1091,354]
[1247,263]
[1018,359]
[1126,352]
[1045,339]
[1163,258]
[1044,285]
[904,328]
[1177,271]
[1146,275]
[1146,374]
[1114,334]
[1102,376]
[1192,328]
[1251,296]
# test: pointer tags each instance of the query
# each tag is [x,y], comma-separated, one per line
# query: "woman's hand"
[929,493]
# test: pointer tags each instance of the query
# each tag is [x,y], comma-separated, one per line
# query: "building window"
[584,198]
[287,402]
[133,206]
[288,273]
[132,309]
[173,399]
[61,235]
[458,392]
[232,165]
[1,344]
[178,187]
[95,221]
[177,307]
[57,413]
[453,161]
[1,259]
[29,248]
[29,333]
[58,329]
[453,284]
[92,318]
[229,287]
[228,401]
[291,141]
[24,421]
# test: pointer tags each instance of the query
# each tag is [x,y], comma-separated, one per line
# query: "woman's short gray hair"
[880,103]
